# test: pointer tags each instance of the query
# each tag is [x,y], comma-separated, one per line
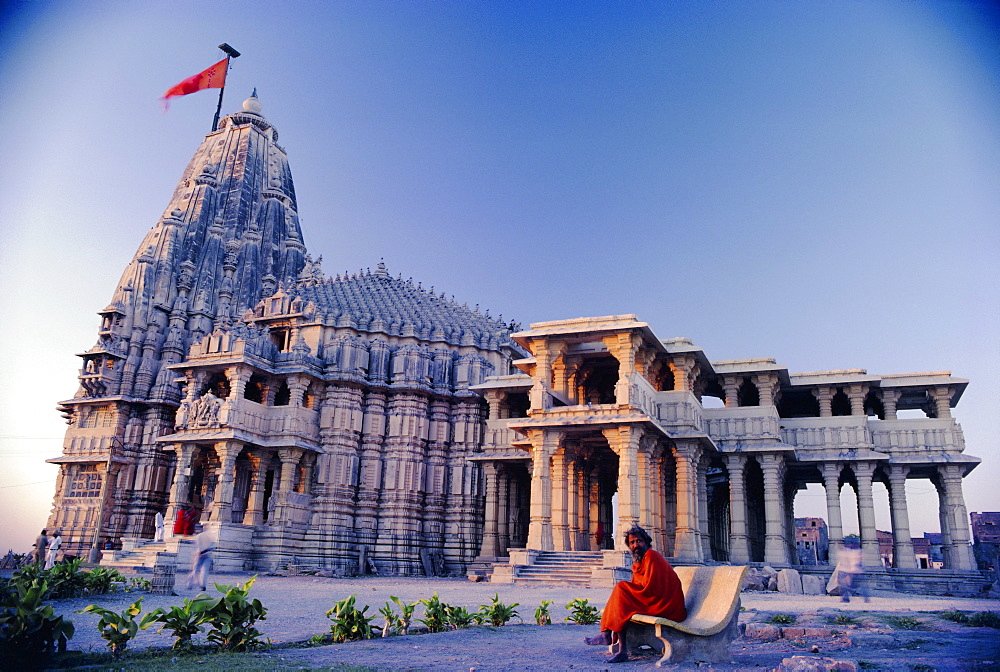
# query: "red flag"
[212,78]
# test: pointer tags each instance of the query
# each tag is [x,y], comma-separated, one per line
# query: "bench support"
[676,646]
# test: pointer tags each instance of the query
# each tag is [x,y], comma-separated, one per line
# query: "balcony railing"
[848,431]
[743,423]
[270,420]
[917,434]
[679,411]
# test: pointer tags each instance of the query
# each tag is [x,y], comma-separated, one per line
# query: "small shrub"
[459,618]
[582,612]
[101,580]
[955,616]
[232,618]
[435,613]
[497,613]
[184,622]
[783,619]
[349,622]
[138,583]
[985,619]
[902,622]
[397,624]
[119,628]
[542,614]
[842,619]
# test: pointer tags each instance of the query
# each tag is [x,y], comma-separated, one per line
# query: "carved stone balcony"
[847,432]
[917,435]
[679,412]
[743,424]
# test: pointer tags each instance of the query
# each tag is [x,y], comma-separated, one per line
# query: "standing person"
[52,552]
[201,563]
[654,589]
[158,522]
[41,543]
[851,574]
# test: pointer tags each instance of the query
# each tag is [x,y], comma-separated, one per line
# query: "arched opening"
[713,396]
[218,384]
[841,404]
[717,482]
[874,406]
[518,404]
[310,399]
[597,379]
[798,404]
[256,389]
[283,395]
[748,394]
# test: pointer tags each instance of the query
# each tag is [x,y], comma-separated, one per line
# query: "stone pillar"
[772,465]
[503,509]
[856,394]
[766,383]
[222,505]
[255,505]
[866,514]
[491,536]
[682,368]
[543,445]
[624,441]
[182,480]
[560,502]
[902,551]
[289,465]
[687,539]
[835,524]
[731,387]
[824,395]
[706,539]
[889,398]
[739,547]
[942,401]
[961,553]
[945,521]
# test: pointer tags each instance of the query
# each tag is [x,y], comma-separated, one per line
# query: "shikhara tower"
[362,421]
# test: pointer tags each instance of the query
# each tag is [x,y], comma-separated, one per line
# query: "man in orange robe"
[654,590]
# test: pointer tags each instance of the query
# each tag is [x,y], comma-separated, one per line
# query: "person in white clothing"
[52,551]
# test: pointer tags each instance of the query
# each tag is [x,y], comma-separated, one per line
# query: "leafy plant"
[66,579]
[119,628]
[138,583]
[232,618]
[349,622]
[582,612]
[902,622]
[101,580]
[29,628]
[955,616]
[397,624]
[985,619]
[783,619]
[184,622]
[435,613]
[459,617]
[843,619]
[497,613]
[542,614]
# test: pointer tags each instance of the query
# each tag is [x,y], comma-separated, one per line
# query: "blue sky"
[817,182]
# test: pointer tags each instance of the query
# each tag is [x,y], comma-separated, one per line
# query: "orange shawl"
[654,590]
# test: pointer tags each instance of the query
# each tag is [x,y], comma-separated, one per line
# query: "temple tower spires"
[228,237]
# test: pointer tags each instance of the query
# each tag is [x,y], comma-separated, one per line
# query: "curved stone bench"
[712,598]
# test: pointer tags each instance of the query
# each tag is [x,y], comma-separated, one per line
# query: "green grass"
[842,619]
[902,622]
[205,660]
[783,619]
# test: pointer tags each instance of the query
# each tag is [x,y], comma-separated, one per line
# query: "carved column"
[866,514]
[772,464]
[624,441]
[961,554]
[222,506]
[255,506]
[706,539]
[687,539]
[942,401]
[739,548]
[835,525]
[889,399]
[289,465]
[560,501]
[543,445]
[856,394]
[182,479]
[903,557]
[731,386]
[824,395]
[491,536]
[503,509]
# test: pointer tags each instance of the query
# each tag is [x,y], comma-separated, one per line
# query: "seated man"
[654,590]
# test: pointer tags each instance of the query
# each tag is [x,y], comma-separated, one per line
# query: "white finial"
[251,104]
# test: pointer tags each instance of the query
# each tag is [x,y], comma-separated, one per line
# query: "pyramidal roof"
[374,301]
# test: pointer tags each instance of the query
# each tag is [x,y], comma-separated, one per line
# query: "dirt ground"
[297,606]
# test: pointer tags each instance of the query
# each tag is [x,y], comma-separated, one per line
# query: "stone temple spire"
[229,236]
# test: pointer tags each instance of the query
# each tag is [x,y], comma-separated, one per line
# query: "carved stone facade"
[362,421]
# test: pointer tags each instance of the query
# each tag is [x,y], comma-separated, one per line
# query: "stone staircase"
[139,555]
[568,568]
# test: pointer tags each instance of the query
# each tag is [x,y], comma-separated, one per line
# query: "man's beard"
[638,553]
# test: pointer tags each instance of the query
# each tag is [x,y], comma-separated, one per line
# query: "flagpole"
[230,54]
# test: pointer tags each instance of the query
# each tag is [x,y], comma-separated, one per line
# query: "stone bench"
[712,598]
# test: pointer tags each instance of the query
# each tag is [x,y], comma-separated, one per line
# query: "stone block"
[815,664]
[762,631]
[813,633]
[503,574]
[789,582]
[812,585]
[793,633]
[754,580]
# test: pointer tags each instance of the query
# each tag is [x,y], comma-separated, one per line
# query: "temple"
[364,423]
